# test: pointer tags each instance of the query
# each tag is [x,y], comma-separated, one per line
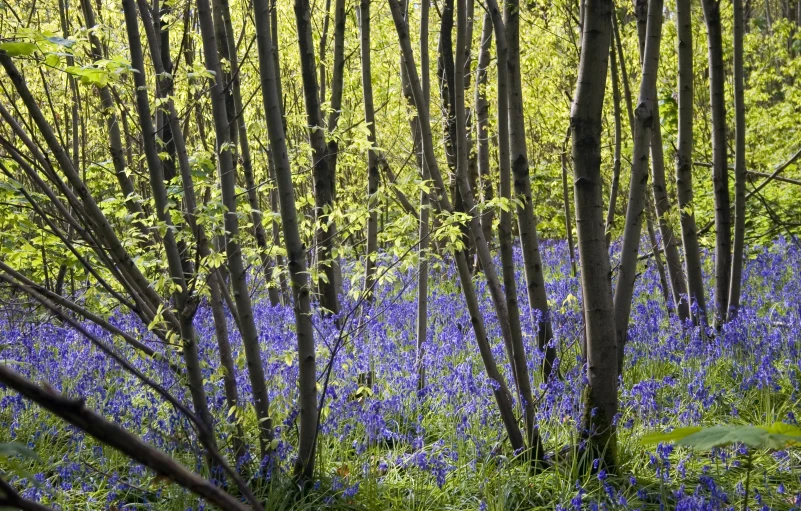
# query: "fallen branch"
[74,412]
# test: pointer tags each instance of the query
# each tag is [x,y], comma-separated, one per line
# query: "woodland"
[400,254]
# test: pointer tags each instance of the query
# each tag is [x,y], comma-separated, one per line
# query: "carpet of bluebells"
[392,447]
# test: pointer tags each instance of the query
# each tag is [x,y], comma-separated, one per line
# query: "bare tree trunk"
[183,300]
[526,221]
[422,265]
[446,69]
[566,199]
[274,192]
[613,191]
[295,249]
[337,86]
[324,48]
[500,391]
[323,178]
[720,176]
[600,399]
[664,212]
[239,133]
[372,160]
[740,172]
[684,182]
[662,204]
[190,202]
[660,268]
[247,323]
[482,120]
[515,345]
[227,363]
[643,127]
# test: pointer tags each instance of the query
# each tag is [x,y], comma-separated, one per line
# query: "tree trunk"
[660,268]
[566,199]
[643,127]
[190,202]
[323,179]
[175,263]
[613,190]
[678,287]
[684,179]
[422,265]
[239,133]
[372,160]
[337,86]
[482,121]
[295,249]
[526,221]
[500,390]
[515,345]
[740,172]
[720,176]
[227,363]
[600,400]
[236,268]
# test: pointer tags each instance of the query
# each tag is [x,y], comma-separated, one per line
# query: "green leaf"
[18,48]
[778,436]
[672,436]
[52,60]
[719,436]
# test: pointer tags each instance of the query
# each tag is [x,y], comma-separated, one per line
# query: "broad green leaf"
[18,48]
[672,436]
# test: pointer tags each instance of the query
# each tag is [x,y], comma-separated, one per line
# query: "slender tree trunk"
[446,67]
[239,133]
[166,89]
[660,267]
[274,199]
[664,212]
[183,300]
[678,287]
[613,191]
[373,177]
[515,346]
[566,199]
[324,48]
[295,249]
[236,268]
[601,399]
[500,390]
[337,86]
[445,72]
[323,178]
[422,265]
[227,363]
[684,183]
[482,121]
[190,202]
[720,176]
[643,127]
[526,221]
[740,172]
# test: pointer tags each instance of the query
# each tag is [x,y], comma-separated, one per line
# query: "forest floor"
[388,446]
